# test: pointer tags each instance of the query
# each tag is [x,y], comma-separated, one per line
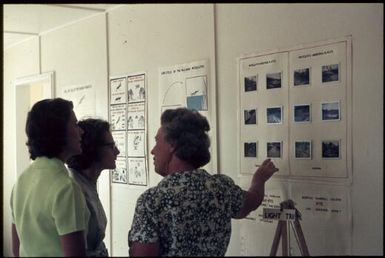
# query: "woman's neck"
[177,165]
[91,173]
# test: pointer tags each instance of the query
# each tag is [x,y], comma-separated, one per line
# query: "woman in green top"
[49,212]
[99,153]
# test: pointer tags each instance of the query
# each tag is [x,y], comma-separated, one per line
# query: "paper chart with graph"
[184,85]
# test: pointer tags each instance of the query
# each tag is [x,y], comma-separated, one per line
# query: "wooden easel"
[282,232]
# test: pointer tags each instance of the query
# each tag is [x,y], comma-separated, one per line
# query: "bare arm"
[73,244]
[15,241]
[255,194]
[144,249]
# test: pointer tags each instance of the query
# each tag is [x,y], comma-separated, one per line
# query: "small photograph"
[274,149]
[302,113]
[302,77]
[250,117]
[251,83]
[330,73]
[274,115]
[251,149]
[331,149]
[331,111]
[273,80]
[303,149]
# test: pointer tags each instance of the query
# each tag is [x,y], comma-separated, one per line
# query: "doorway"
[28,91]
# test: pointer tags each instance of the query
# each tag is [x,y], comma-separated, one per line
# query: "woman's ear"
[172,148]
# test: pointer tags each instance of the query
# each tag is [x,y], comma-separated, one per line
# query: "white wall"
[254,28]
[146,37]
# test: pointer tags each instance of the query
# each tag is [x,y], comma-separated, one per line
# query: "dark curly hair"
[187,130]
[46,127]
[92,140]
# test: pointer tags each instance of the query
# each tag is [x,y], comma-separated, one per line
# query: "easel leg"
[301,239]
[284,238]
[277,236]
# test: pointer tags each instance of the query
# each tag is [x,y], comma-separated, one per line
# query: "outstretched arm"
[255,194]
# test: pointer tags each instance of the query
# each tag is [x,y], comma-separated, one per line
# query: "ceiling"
[22,21]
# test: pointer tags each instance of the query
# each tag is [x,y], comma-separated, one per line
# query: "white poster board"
[295,107]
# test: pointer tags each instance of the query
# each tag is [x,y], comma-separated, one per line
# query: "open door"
[28,90]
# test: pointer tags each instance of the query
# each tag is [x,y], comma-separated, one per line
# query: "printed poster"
[83,99]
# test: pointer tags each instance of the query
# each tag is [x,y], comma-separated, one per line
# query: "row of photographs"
[122,91]
[302,149]
[330,111]
[330,73]
[136,168]
[131,116]
[133,121]
[130,143]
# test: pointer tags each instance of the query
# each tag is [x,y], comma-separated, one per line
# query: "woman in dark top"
[99,153]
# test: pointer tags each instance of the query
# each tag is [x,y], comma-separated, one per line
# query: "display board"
[295,108]
[128,119]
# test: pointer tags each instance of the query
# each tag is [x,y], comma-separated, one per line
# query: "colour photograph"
[250,117]
[274,150]
[251,83]
[330,111]
[330,73]
[331,149]
[251,149]
[303,149]
[302,113]
[273,80]
[302,77]
[274,115]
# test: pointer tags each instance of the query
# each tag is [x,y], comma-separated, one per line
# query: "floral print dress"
[189,213]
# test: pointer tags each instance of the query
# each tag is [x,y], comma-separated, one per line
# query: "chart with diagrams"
[128,119]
